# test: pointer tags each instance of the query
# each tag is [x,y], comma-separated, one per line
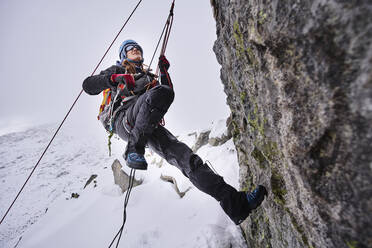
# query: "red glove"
[123,79]
[163,64]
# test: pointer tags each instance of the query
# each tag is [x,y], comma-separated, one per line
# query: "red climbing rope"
[166,37]
[167,28]
[64,119]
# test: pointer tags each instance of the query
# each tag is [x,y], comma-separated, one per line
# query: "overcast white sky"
[49,47]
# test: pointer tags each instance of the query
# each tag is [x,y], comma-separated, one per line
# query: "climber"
[137,105]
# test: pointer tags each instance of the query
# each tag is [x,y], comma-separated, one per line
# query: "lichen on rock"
[298,80]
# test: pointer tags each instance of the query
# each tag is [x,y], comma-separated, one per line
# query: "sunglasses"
[131,47]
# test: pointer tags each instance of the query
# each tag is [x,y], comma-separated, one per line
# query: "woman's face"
[134,54]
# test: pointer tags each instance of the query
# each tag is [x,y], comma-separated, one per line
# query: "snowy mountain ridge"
[46,215]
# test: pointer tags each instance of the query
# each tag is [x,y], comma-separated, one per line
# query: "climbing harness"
[68,113]
[107,114]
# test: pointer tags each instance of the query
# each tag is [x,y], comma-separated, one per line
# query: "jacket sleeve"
[94,85]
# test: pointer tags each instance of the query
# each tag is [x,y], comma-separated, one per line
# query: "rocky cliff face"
[298,80]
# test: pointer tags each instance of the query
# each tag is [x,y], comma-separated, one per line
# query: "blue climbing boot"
[242,204]
[256,197]
[136,161]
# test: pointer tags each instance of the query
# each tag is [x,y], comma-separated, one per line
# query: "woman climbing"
[138,102]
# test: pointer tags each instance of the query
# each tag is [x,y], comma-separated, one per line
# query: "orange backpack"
[105,102]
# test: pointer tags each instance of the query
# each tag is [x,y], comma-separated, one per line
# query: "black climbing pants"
[138,125]
[144,115]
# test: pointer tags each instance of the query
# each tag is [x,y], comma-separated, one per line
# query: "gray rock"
[230,128]
[121,178]
[225,137]
[91,178]
[214,141]
[193,134]
[201,140]
[75,195]
[298,80]
[173,181]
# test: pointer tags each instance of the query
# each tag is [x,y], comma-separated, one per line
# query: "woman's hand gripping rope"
[124,82]
[163,64]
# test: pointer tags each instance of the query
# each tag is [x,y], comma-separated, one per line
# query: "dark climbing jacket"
[116,101]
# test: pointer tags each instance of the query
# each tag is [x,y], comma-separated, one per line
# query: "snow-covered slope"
[64,170]
[46,216]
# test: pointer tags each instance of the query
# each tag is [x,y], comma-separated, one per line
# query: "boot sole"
[137,166]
